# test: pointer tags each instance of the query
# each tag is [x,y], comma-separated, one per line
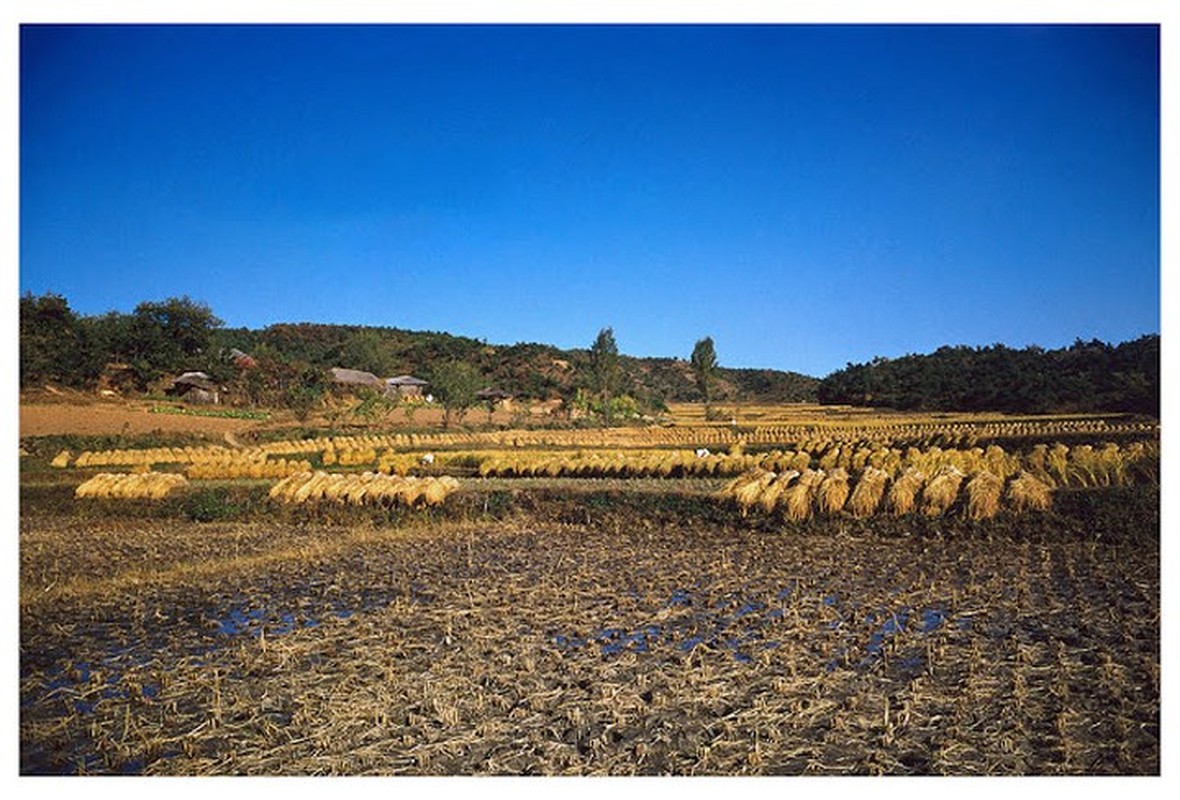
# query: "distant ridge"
[526,369]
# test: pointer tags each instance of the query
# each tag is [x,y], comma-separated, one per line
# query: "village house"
[405,386]
[352,379]
[195,387]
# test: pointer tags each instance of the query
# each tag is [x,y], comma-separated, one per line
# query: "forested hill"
[1088,376]
[523,370]
[159,340]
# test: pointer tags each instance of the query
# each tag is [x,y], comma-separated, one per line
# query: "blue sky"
[806,195]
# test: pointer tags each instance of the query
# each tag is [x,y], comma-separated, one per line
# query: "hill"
[143,350]
[1085,377]
[525,369]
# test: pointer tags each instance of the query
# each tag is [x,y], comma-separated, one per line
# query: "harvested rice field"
[555,631]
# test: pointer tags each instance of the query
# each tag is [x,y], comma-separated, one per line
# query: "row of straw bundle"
[125,486]
[797,498]
[828,493]
[368,488]
[228,470]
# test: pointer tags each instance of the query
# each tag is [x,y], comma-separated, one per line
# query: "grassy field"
[589,625]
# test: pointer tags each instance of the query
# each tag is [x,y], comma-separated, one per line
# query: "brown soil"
[109,419]
[96,418]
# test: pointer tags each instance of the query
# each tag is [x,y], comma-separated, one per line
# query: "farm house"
[242,360]
[195,387]
[405,386]
[495,398]
[352,379]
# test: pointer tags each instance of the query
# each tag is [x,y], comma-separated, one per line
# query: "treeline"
[1085,377]
[140,351]
[60,346]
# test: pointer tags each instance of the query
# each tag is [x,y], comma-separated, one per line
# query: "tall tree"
[604,368]
[51,342]
[455,384]
[165,337]
[704,369]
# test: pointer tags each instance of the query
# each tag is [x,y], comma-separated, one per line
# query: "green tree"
[704,369]
[53,346]
[604,369]
[367,350]
[303,387]
[455,384]
[164,337]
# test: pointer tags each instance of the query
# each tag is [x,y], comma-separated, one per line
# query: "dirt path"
[107,420]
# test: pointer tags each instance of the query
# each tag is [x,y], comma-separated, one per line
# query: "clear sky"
[806,195]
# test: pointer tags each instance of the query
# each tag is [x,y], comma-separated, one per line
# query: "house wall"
[200,396]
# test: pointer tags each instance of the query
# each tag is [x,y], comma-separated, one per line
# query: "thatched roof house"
[195,387]
[491,394]
[242,360]
[352,378]
[406,385]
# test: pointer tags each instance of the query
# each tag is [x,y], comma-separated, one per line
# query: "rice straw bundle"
[983,495]
[829,458]
[801,461]
[866,495]
[774,490]
[437,490]
[798,500]
[860,459]
[903,491]
[1058,463]
[747,487]
[1026,491]
[833,491]
[941,491]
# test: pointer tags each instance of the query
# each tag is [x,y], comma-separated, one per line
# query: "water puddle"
[733,622]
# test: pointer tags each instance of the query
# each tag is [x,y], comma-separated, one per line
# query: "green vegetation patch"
[224,413]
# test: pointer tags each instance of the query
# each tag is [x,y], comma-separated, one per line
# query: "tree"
[165,337]
[369,351]
[51,341]
[604,368]
[704,368]
[455,384]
